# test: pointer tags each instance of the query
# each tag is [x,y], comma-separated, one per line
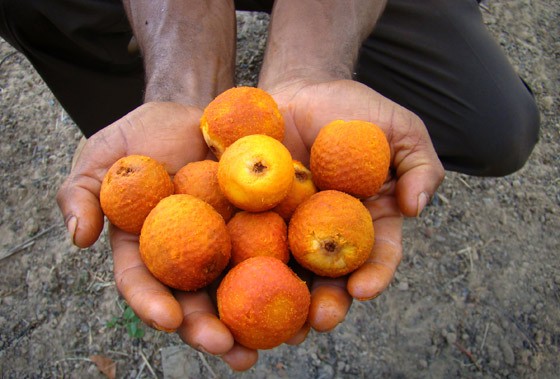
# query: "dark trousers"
[434,57]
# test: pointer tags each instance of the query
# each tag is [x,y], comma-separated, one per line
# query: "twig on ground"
[147,363]
[465,183]
[26,243]
[205,363]
[8,56]
[141,370]
[484,337]
[468,354]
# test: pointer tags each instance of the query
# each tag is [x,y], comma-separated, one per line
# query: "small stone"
[340,366]
[451,338]
[507,351]
[423,363]
[403,286]
[325,371]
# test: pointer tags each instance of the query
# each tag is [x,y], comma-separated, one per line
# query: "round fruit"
[239,112]
[263,302]
[350,156]
[131,189]
[256,173]
[331,233]
[302,188]
[184,243]
[200,179]
[255,234]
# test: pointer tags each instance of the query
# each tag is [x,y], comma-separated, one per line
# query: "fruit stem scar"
[301,176]
[329,246]
[125,171]
[259,168]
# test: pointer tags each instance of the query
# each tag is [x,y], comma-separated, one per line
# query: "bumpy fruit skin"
[350,156]
[256,173]
[254,234]
[184,243]
[302,188]
[238,112]
[200,179]
[263,302]
[331,233]
[131,189]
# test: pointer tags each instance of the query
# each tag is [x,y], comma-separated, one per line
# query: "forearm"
[188,47]
[316,39]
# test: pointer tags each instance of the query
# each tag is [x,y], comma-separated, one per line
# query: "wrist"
[188,48]
[316,41]
[187,87]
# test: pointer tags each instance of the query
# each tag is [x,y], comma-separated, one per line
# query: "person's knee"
[505,138]
[16,18]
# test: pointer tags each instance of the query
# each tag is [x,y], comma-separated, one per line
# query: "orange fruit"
[256,172]
[350,156]
[331,233]
[200,179]
[131,189]
[254,234]
[239,112]
[302,188]
[263,302]
[185,243]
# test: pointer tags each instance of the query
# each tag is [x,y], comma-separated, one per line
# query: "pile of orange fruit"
[242,218]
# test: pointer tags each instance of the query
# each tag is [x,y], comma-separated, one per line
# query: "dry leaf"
[106,365]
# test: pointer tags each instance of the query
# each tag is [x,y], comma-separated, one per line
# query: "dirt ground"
[477,294]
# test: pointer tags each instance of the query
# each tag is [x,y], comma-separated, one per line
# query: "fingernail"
[71,226]
[161,328]
[423,199]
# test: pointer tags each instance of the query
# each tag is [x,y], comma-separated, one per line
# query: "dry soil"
[477,294]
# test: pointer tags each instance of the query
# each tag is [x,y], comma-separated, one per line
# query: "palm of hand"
[308,107]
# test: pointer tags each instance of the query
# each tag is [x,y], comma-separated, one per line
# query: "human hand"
[169,133]
[416,174]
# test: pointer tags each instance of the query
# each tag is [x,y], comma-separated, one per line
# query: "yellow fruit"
[256,173]
[331,233]
[302,188]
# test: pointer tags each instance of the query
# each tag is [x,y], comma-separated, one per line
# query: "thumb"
[78,201]
[418,169]
[78,197]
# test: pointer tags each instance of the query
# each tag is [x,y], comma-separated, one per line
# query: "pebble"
[403,286]
[451,338]
[507,351]
[325,371]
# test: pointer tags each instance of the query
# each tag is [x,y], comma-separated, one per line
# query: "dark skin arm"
[308,66]
[303,69]
[188,49]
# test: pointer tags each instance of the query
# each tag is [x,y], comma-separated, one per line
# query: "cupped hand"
[416,173]
[169,133]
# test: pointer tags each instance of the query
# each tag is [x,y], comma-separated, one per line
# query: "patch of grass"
[129,321]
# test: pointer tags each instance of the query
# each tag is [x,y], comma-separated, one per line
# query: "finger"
[300,336]
[330,303]
[80,209]
[150,299]
[418,168]
[78,197]
[373,277]
[240,358]
[201,328]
